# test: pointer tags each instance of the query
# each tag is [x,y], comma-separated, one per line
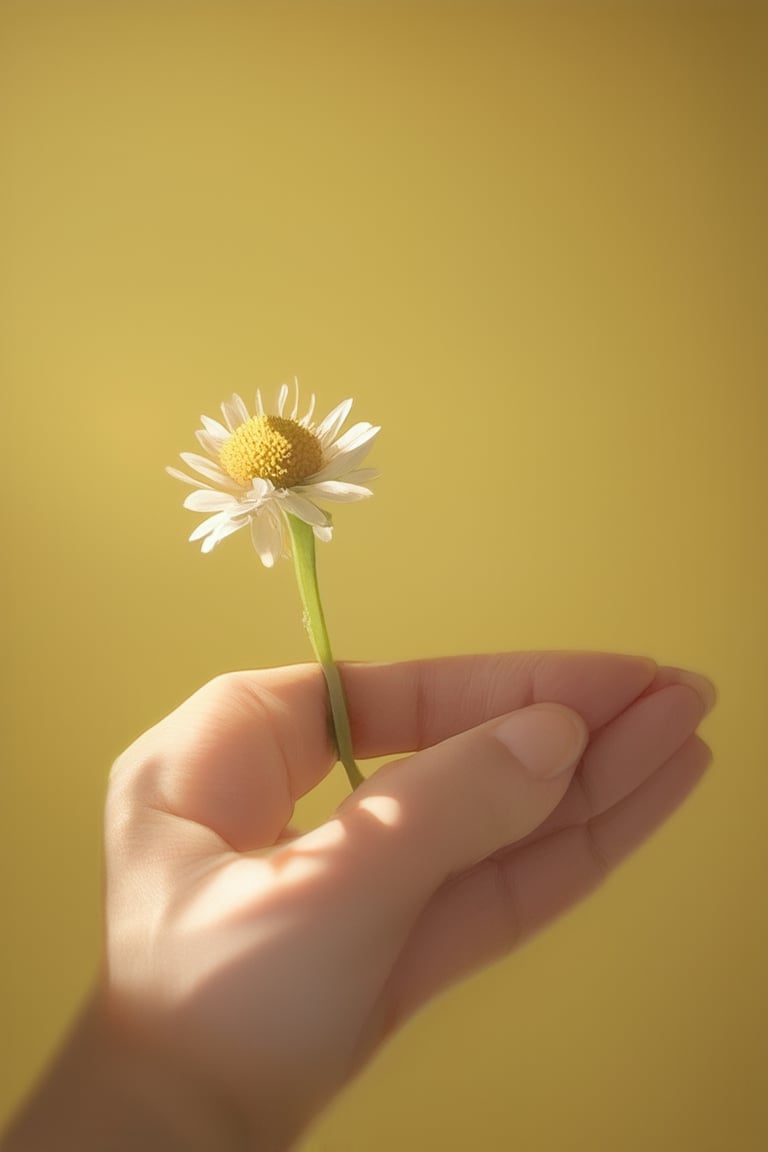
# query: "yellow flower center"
[273,448]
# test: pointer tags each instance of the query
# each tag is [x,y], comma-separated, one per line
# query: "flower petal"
[361,475]
[267,537]
[210,470]
[208,525]
[259,403]
[209,500]
[295,409]
[221,533]
[209,443]
[306,419]
[305,510]
[328,428]
[214,428]
[187,479]
[259,490]
[335,490]
[235,412]
[358,434]
[341,465]
[282,399]
[325,533]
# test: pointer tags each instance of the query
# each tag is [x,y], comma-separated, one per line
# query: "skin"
[250,972]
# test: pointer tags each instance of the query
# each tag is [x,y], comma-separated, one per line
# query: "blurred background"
[529,239]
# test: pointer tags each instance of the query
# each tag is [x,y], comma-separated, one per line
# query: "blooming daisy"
[263,467]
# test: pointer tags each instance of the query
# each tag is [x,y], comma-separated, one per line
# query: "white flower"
[260,468]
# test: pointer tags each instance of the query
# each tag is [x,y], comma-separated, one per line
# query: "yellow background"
[529,239]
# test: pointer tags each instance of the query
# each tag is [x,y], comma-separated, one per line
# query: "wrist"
[111,1089]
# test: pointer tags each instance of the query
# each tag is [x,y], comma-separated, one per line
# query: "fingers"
[233,759]
[481,916]
[437,813]
[404,707]
[625,752]
[667,675]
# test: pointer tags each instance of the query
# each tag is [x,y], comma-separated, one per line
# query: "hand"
[250,972]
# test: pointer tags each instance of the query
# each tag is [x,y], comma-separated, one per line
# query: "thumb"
[435,814]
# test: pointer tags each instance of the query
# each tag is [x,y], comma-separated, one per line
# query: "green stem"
[303,542]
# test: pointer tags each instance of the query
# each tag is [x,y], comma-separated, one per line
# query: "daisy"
[262,468]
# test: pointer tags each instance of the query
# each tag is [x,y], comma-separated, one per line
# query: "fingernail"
[703,687]
[547,739]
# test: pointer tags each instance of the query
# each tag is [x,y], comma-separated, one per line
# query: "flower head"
[261,467]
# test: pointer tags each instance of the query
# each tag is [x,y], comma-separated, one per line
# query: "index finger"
[404,707]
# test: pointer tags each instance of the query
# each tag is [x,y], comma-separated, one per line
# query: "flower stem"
[303,542]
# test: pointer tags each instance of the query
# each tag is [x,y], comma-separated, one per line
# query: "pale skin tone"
[250,972]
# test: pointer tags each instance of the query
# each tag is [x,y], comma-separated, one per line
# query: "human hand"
[250,972]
